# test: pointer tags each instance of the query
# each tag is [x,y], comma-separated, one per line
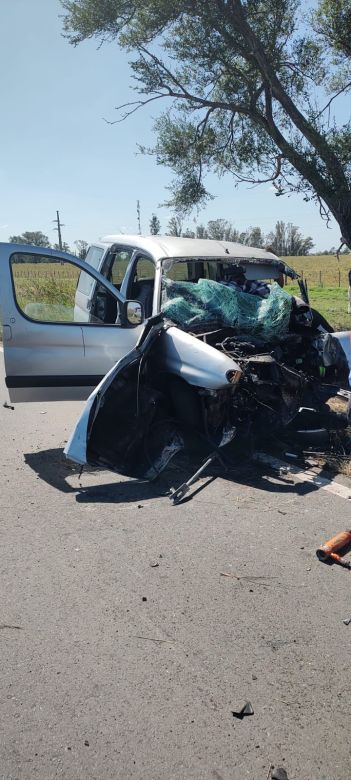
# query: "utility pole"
[58,228]
[138,215]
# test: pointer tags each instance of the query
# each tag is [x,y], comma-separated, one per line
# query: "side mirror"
[133,312]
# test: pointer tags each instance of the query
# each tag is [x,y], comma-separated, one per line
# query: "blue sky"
[57,152]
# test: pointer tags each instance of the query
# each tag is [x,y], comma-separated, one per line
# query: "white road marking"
[1,349]
[305,476]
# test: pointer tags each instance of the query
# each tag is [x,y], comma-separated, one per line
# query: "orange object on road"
[330,547]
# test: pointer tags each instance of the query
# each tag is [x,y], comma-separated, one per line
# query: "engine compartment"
[149,413]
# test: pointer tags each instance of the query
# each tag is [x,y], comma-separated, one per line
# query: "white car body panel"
[194,361]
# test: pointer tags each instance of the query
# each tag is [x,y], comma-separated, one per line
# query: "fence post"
[339,277]
[320,278]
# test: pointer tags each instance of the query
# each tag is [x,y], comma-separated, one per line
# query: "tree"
[36,238]
[220,230]
[82,248]
[201,231]
[255,237]
[174,227]
[65,247]
[287,239]
[155,225]
[249,101]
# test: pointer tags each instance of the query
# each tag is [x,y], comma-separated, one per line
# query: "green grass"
[331,302]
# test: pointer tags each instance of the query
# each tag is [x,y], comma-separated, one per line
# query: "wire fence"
[36,272]
[328,278]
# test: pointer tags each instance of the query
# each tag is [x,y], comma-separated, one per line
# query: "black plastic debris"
[278,773]
[8,406]
[246,710]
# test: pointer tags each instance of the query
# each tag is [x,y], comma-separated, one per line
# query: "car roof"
[171,246]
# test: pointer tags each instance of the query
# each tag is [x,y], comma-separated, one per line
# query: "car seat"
[143,291]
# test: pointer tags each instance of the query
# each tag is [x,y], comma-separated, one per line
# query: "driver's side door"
[53,350]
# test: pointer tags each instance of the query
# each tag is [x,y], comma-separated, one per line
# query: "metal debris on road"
[246,710]
[177,495]
[278,773]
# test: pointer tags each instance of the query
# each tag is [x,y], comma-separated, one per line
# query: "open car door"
[125,425]
[53,350]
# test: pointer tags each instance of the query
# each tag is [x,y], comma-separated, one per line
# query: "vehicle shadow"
[265,478]
[52,467]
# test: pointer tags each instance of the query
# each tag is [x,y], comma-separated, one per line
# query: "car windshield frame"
[278,265]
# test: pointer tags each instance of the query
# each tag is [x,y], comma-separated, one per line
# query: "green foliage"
[175,226]
[65,247]
[81,248]
[36,238]
[333,22]
[245,90]
[155,225]
[286,239]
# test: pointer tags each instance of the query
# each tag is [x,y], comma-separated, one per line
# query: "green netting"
[192,305]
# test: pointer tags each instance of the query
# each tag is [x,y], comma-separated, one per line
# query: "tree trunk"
[340,207]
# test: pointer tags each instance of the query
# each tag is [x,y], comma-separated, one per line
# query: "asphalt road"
[124,651]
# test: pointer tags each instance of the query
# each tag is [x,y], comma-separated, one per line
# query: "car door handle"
[7,332]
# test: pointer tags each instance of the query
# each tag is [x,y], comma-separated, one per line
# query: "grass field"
[327,281]
[331,302]
[322,270]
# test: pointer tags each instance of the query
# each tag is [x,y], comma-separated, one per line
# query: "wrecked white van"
[177,336]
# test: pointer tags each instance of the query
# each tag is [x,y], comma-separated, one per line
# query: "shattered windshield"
[246,295]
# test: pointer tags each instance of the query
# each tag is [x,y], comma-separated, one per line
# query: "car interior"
[141,287]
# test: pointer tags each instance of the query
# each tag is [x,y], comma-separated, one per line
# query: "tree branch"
[340,92]
[136,105]
[312,135]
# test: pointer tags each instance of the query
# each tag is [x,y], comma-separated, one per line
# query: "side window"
[48,289]
[118,266]
[142,284]
[144,269]
[93,258]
